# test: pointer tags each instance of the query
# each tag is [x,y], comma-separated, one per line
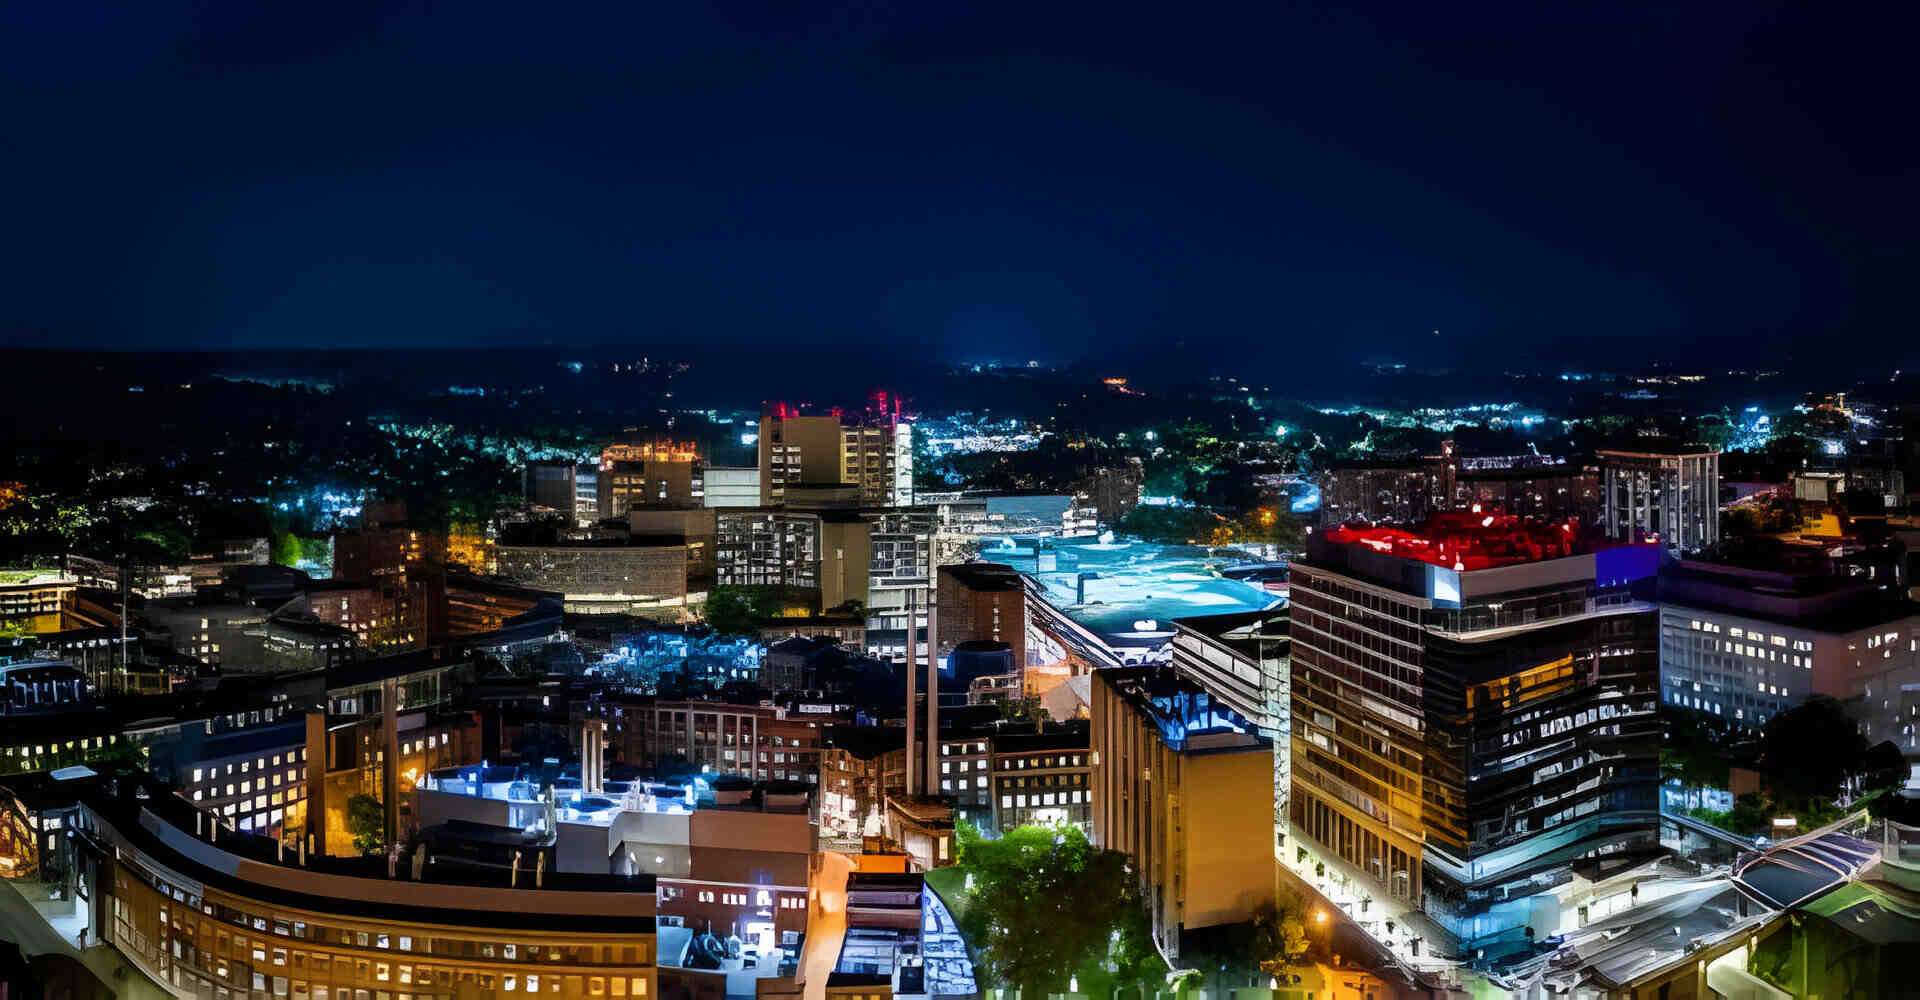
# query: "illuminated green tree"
[1046,906]
[731,610]
[367,821]
[286,549]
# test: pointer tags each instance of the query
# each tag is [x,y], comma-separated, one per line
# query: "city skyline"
[935,502]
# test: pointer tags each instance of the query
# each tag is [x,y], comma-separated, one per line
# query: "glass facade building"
[1474,714]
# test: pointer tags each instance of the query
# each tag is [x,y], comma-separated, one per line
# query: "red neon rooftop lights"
[1466,540]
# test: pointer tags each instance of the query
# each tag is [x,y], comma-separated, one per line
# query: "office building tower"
[586,495]
[1742,645]
[845,557]
[899,576]
[1474,713]
[873,451]
[1662,493]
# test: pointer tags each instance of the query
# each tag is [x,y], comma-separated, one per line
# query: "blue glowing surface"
[1136,583]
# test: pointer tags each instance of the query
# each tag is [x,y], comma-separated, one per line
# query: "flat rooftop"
[984,576]
[1132,590]
[1659,448]
[1467,540]
[154,821]
[572,805]
[1189,719]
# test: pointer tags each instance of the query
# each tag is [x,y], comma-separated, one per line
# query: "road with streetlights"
[1330,925]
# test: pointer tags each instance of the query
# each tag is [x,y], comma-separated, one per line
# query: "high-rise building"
[899,575]
[586,495]
[1175,776]
[873,451]
[651,474]
[1662,493]
[767,546]
[822,539]
[1474,712]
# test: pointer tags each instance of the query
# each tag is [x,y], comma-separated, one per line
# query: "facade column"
[913,694]
[390,750]
[933,697]
[316,825]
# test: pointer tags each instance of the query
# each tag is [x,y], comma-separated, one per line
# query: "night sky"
[1031,180]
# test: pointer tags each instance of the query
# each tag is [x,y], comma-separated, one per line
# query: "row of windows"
[1736,632]
[243,767]
[1046,799]
[246,786]
[1063,760]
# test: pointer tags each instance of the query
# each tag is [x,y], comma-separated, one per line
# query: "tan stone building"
[1185,787]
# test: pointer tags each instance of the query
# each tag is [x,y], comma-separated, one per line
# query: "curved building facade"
[214,914]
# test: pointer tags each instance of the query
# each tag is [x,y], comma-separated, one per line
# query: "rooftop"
[136,810]
[985,576]
[1189,719]
[1659,448]
[1252,633]
[528,786]
[1824,602]
[1128,592]
[1070,735]
[1467,540]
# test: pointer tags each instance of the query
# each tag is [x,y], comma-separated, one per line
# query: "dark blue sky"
[1018,180]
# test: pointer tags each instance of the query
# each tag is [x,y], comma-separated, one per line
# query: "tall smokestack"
[390,749]
[593,738]
[913,693]
[933,694]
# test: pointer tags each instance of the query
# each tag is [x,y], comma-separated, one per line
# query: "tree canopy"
[1046,905]
[1810,751]
[733,609]
[367,821]
[1690,753]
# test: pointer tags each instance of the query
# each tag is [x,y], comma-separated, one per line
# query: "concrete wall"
[439,807]
[1227,799]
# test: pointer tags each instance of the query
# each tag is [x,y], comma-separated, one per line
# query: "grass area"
[24,575]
